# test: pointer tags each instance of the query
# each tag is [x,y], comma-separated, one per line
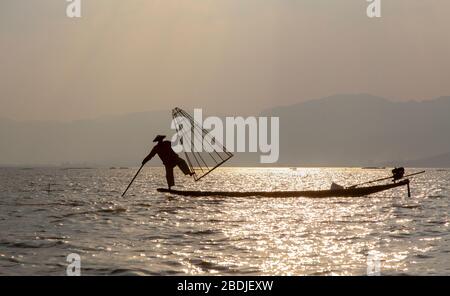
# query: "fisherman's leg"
[181,163]
[169,176]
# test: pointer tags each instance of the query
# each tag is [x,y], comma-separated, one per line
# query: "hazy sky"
[230,55]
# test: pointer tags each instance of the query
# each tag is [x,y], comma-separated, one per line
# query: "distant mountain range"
[341,130]
[439,161]
[364,130]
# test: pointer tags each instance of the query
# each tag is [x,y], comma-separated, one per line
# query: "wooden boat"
[346,192]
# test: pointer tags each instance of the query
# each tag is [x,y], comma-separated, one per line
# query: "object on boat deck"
[398,173]
[335,186]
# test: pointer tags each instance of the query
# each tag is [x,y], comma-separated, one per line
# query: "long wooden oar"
[418,173]
[387,178]
[129,185]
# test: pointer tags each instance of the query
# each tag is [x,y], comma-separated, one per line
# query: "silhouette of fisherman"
[169,158]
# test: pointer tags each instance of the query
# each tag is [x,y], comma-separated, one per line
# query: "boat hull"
[347,192]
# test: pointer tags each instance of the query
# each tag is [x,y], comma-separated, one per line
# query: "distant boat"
[78,168]
[373,168]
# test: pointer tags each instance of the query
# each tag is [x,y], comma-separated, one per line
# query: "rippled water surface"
[46,214]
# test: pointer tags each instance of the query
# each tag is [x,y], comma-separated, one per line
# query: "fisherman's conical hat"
[159,138]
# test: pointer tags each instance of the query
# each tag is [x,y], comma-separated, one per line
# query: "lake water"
[46,214]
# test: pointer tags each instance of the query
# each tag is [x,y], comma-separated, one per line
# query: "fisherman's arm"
[150,156]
